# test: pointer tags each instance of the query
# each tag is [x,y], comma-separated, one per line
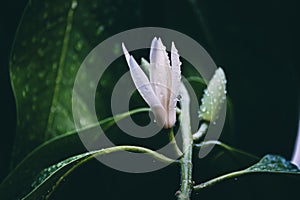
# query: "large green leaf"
[48,179]
[42,180]
[268,164]
[49,153]
[52,40]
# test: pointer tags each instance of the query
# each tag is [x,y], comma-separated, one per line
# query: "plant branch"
[201,131]
[219,179]
[186,160]
[226,147]
[173,142]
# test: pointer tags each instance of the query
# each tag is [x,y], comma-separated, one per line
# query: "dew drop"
[179,97]
[79,45]
[74,5]
[100,30]
[33,39]
[54,66]
[45,15]
[41,52]
[24,93]
[41,75]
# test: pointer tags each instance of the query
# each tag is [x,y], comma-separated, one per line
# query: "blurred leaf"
[268,164]
[38,159]
[52,40]
[49,179]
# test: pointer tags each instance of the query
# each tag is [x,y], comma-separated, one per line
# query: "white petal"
[296,155]
[160,72]
[140,80]
[142,83]
[145,89]
[158,53]
[176,76]
[127,55]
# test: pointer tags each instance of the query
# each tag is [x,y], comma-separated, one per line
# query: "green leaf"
[274,164]
[38,159]
[52,40]
[268,164]
[49,179]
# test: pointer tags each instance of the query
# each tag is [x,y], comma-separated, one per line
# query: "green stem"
[219,179]
[173,142]
[226,147]
[187,145]
[109,121]
[135,149]
[201,132]
[196,79]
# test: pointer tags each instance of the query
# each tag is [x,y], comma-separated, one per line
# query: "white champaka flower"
[161,91]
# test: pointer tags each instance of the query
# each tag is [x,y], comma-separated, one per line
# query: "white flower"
[161,92]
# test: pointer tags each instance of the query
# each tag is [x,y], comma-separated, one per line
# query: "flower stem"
[201,132]
[187,146]
[176,149]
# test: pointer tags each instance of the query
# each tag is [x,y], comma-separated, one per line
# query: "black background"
[256,42]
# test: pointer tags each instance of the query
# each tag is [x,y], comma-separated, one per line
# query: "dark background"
[257,44]
[10,14]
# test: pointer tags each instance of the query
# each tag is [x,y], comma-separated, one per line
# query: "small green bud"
[214,96]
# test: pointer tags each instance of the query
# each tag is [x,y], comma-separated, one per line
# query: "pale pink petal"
[175,73]
[145,89]
[160,72]
[127,55]
[296,154]
[142,83]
